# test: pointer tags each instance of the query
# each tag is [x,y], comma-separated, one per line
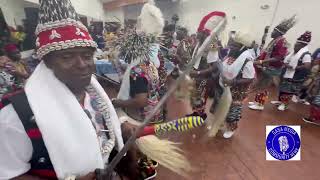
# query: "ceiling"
[107,0]
[111,5]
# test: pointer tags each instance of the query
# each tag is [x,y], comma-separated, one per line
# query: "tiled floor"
[243,156]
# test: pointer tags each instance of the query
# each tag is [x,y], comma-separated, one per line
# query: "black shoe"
[193,114]
[204,116]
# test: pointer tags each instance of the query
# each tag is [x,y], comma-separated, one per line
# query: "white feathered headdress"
[151,20]
[244,38]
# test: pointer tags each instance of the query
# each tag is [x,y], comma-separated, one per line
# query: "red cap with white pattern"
[59,28]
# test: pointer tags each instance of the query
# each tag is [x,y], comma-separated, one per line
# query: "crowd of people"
[14,70]
[58,122]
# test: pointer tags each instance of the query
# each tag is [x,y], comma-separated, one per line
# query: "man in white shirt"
[297,66]
[62,125]
[238,73]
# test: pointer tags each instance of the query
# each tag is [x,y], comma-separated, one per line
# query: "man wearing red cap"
[271,61]
[205,65]
[63,125]
[297,67]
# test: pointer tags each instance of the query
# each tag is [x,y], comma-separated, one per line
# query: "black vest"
[41,165]
[301,74]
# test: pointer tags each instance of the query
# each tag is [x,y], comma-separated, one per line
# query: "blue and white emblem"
[283,143]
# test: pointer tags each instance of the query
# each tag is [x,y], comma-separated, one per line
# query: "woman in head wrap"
[13,72]
[15,66]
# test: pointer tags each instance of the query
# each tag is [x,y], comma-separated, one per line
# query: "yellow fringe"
[166,153]
[216,120]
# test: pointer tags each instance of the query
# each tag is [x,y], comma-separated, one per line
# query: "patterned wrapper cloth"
[261,98]
[239,93]
[200,93]
[287,89]
[199,96]
[315,109]
[149,72]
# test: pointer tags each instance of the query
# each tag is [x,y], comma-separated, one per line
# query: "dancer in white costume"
[139,92]
[237,74]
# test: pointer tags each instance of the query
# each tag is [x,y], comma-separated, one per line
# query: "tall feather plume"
[136,45]
[291,21]
[287,24]
[151,19]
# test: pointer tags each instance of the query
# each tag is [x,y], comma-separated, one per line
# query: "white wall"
[251,18]
[248,14]
[90,8]
[33,1]
[115,15]
[132,11]
[13,11]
